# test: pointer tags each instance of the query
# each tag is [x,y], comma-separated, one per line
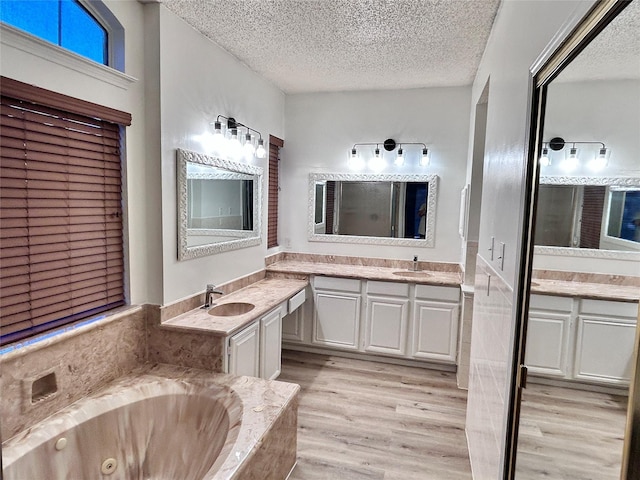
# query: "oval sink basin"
[231,309]
[411,273]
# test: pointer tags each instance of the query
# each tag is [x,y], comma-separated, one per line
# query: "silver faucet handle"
[210,287]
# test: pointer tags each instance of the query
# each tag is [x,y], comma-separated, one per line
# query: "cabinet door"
[435,330]
[386,325]
[336,320]
[244,351]
[604,349]
[548,343]
[271,345]
[293,326]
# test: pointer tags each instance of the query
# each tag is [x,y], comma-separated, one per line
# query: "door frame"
[567,44]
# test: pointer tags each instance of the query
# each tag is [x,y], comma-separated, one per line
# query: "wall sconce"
[235,144]
[377,161]
[572,159]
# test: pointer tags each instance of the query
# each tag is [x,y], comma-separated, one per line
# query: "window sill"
[18,39]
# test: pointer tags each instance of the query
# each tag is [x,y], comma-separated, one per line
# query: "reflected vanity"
[373,209]
[218,205]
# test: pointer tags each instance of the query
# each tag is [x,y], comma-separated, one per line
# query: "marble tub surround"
[586,285]
[255,417]
[265,295]
[81,359]
[436,273]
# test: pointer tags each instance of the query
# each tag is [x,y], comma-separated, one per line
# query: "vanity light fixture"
[235,143]
[377,161]
[572,156]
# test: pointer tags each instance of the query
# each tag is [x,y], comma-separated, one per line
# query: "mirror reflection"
[589,212]
[218,205]
[373,208]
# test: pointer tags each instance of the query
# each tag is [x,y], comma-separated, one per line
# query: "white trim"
[21,40]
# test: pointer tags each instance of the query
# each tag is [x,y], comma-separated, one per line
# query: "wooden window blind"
[275,144]
[61,243]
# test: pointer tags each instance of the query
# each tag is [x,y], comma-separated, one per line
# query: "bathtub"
[168,423]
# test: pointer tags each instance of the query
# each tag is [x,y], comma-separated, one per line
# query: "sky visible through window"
[62,22]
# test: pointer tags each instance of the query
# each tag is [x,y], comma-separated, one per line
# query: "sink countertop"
[265,295]
[596,291]
[442,278]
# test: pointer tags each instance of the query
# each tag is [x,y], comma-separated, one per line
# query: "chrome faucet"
[208,298]
[415,263]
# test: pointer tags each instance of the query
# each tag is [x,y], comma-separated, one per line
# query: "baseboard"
[373,358]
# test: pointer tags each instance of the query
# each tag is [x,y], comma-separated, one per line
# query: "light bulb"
[377,163]
[572,161]
[424,160]
[217,140]
[234,150]
[400,158]
[248,148]
[261,152]
[601,160]
[545,161]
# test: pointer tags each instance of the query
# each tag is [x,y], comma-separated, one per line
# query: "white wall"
[26,64]
[321,129]
[520,33]
[602,111]
[198,81]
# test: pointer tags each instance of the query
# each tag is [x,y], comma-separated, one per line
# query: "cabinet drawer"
[297,300]
[431,292]
[334,283]
[608,308]
[388,288]
[549,302]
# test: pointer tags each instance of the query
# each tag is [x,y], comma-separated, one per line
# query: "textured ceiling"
[335,45]
[613,54]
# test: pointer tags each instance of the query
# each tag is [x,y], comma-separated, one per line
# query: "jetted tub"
[166,424]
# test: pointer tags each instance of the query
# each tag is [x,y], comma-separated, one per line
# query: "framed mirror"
[588,216]
[219,207]
[390,209]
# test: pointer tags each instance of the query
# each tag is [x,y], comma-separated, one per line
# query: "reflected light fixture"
[572,160]
[377,161]
[236,141]
[545,161]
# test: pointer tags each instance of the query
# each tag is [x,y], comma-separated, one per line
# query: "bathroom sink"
[412,274]
[231,309]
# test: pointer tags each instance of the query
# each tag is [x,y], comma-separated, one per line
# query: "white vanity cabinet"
[256,350]
[548,333]
[604,342]
[387,318]
[581,339]
[336,319]
[435,323]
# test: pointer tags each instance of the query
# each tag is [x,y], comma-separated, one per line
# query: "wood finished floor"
[568,434]
[367,420]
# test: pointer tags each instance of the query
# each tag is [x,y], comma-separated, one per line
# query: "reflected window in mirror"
[380,209]
[624,215]
[218,205]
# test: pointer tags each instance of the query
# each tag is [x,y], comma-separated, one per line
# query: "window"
[275,144]
[66,23]
[61,250]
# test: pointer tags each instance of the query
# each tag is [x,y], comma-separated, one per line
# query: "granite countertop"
[585,289]
[425,276]
[265,295]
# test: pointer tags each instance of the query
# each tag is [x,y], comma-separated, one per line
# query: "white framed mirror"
[219,205]
[379,209]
